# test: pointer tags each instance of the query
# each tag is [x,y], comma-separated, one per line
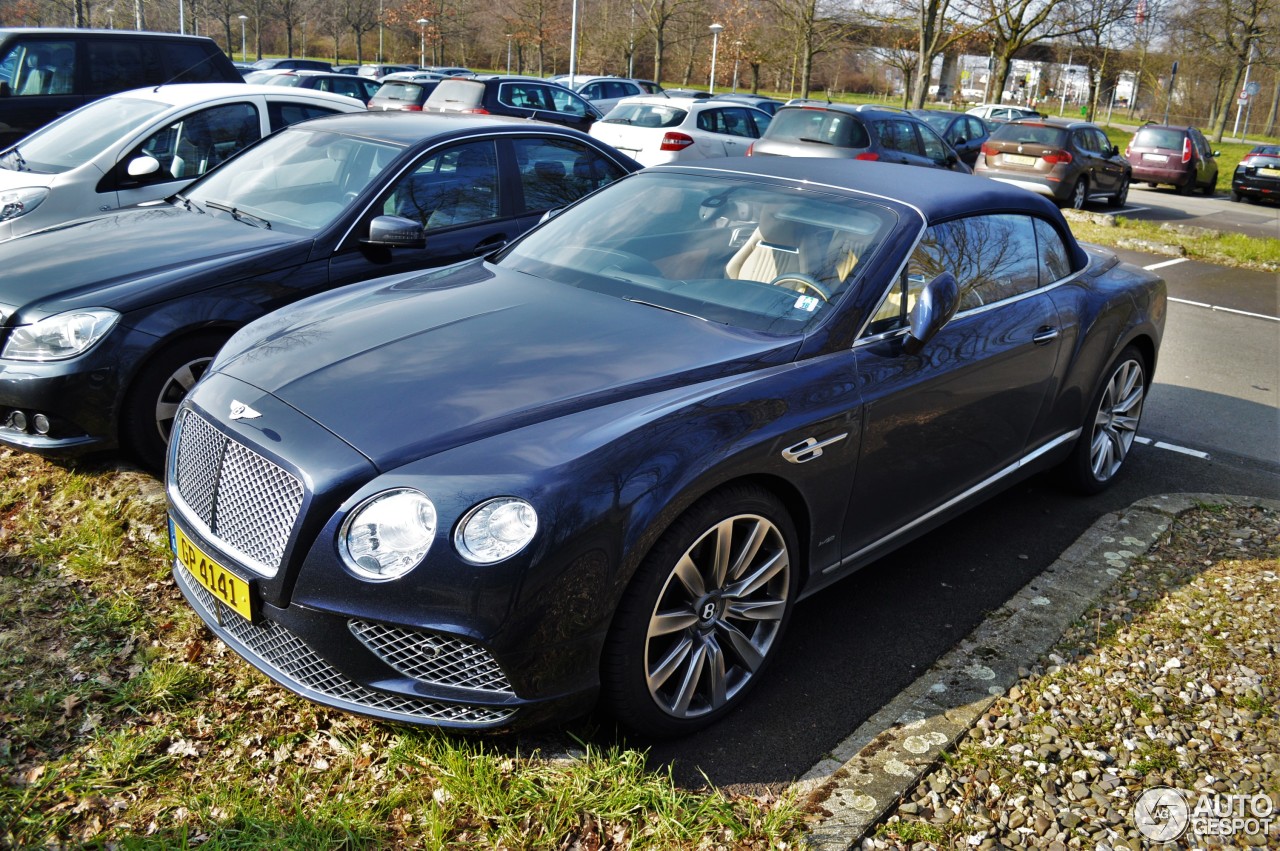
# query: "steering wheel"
[801,284]
[602,259]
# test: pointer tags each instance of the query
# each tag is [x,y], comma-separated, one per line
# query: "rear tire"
[1211,188]
[702,617]
[1110,425]
[1079,194]
[152,401]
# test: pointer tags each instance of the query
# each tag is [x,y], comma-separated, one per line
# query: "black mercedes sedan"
[106,322]
[610,459]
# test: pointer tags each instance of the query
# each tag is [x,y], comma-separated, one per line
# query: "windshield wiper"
[188,204]
[239,215]
[17,159]
[815,141]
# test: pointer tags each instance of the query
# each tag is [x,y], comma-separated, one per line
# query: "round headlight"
[388,535]
[496,529]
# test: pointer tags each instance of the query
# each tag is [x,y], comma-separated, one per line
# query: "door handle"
[1045,336]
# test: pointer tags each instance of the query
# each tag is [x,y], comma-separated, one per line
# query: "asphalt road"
[1213,425]
[1163,204]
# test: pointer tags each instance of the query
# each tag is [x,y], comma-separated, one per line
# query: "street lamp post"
[111,18]
[716,29]
[244,45]
[508,53]
[422,41]
[737,55]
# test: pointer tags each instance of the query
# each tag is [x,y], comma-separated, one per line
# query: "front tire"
[703,615]
[160,386]
[1121,194]
[1111,424]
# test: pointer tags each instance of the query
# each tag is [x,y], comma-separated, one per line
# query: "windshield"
[298,179]
[725,249]
[76,138]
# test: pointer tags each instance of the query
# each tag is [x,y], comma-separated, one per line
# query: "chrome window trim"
[951,503]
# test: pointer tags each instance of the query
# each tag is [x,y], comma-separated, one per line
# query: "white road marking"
[1175,261]
[1226,309]
[1182,450]
[1131,209]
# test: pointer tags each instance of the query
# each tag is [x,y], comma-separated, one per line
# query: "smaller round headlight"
[495,530]
[388,535]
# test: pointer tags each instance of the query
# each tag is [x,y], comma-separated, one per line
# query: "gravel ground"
[1171,681]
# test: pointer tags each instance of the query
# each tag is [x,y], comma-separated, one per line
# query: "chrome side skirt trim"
[924,518]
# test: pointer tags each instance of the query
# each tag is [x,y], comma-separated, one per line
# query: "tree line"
[797,48]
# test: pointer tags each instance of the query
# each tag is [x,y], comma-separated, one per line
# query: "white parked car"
[655,129]
[1001,112]
[142,145]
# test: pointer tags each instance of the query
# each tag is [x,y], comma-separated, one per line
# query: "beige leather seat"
[771,250]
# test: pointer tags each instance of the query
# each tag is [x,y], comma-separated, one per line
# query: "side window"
[190,147]
[976,129]
[284,114]
[1101,143]
[566,101]
[900,136]
[39,68]
[934,148]
[760,120]
[115,66]
[521,96]
[188,63]
[993,257]
[557,172]
[1055,263]
[458,185]
[592,91]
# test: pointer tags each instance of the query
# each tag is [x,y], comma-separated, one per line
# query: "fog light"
[18,421]
[41,423]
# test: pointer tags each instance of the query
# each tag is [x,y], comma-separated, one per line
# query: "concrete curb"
[866,776]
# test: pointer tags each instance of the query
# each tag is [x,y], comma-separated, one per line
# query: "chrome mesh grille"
[283,652]
[433,658]
[246,502]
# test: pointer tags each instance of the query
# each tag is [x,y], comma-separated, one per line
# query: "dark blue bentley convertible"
[608,460]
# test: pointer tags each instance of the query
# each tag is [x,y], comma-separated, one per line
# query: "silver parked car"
[142,145]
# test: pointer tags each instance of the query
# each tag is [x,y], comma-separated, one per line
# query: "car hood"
[134,257]
[413,368]
[10,179]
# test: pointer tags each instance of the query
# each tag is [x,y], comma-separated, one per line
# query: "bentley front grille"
[242,500]
[293,663]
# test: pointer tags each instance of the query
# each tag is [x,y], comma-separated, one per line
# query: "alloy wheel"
[174,390]
[720,611]
[1116,423]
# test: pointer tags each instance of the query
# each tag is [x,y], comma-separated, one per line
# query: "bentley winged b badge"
[241,411]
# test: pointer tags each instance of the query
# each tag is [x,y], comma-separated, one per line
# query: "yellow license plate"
[1019,159]
[1269,172]
[213,577]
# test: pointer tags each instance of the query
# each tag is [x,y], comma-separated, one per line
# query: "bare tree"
[812,28]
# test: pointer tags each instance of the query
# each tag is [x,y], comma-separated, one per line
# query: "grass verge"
[1226,249]
[123,724]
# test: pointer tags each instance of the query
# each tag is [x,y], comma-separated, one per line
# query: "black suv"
[863,132]
[523,97]
[47,72]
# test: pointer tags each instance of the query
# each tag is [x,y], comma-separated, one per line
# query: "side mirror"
[1217,153]
[934,307]
[1115,150]
[143,166]
[395,232]
[5,89]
